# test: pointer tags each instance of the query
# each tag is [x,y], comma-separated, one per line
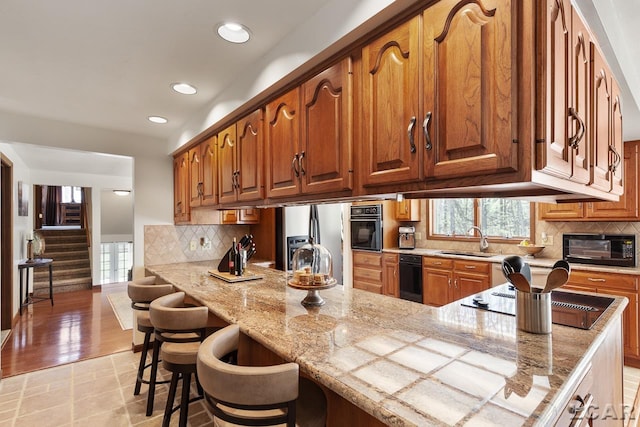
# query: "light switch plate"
[193,245]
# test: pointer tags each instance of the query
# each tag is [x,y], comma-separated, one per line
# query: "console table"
[27,265]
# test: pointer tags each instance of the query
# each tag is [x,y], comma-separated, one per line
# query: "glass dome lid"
[312,265]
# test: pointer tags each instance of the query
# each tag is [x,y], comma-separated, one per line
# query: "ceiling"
[109,64]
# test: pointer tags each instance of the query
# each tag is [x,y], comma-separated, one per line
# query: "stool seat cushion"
[180,353]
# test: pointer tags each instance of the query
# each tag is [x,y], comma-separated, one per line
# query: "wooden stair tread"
[71,265]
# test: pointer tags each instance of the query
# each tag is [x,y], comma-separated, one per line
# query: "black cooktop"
[567,308]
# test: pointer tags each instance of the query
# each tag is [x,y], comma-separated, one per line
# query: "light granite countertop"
[403,362]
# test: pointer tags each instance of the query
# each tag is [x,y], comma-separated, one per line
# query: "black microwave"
[602,249]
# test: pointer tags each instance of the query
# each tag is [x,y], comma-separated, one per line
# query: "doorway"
[6,244]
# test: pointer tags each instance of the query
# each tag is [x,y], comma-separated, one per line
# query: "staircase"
[71,266]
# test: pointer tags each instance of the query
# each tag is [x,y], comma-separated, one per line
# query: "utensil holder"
[533,312]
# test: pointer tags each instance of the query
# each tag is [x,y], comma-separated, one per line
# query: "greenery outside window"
[499,219]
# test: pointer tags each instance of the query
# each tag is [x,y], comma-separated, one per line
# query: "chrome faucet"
[484,244]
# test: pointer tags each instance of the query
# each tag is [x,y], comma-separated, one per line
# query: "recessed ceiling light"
[184,88]
[157,119]
[233,32]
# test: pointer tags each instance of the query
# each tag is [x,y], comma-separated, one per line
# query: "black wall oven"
[366,227]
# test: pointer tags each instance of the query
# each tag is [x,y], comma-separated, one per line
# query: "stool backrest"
[169,315]
[245,387]
[143,291]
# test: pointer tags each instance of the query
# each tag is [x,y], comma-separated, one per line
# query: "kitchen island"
[403,363]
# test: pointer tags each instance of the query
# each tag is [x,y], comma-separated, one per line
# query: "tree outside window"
[498,218]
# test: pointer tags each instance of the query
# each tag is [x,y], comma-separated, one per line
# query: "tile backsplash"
[168,244]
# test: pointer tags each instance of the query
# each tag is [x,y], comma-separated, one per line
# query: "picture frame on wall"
[23,199]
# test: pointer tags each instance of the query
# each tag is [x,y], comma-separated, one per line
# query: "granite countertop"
[497,258]
[402,362]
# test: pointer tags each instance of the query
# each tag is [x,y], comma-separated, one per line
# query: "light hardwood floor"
[80,325]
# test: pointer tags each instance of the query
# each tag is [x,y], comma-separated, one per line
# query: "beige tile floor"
[96,392]
[99,392]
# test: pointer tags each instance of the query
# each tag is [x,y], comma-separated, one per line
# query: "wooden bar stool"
[256,395]
[180,330]
[142,292]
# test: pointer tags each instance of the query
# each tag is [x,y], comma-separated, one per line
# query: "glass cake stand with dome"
[312,271]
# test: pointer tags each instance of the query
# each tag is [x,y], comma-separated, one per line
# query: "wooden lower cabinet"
[367,271]
[390,277]
[624,285]
[446,280]
[601,386]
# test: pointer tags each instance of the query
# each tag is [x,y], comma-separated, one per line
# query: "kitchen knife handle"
[425,129]
[412,125]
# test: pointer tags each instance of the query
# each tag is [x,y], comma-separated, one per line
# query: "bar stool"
[179,330]
[256,395]
[142,292]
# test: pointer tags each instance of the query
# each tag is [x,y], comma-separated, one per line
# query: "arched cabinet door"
[282,126]
[227,165]
[195,177]
[390,107]
[209,171]
[249,153]
[326,123]
[469,101]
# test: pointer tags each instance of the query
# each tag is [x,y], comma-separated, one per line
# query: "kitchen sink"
[468,253]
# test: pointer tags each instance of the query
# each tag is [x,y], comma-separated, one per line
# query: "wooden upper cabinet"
[560,211]
[566,150]
[628,206]
[195,176]
[391,149]
[227,177]
[327,109]
[181,209]
[602,151]
[250,157]
[282,156]
[208,172]
[619,169]
[469,98]
[240,150]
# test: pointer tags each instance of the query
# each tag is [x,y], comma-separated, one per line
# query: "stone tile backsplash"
[168,244]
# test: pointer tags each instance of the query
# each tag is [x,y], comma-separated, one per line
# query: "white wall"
[116,215]
[21,224]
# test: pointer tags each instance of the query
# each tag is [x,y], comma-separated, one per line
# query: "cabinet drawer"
[472,266]
[367,274]
[594,280]
[366,286]
[367,259]
[437,262]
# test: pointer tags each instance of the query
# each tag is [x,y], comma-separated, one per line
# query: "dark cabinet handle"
[295,162]
[412,124]
[425,129]
[301,165]
[237,179]
[613,167]
[574,141]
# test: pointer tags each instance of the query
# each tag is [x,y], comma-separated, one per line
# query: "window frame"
[476,222]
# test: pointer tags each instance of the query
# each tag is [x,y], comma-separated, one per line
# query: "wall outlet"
[546,239]
[205,243]
[193,245]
